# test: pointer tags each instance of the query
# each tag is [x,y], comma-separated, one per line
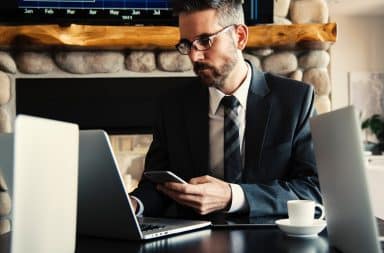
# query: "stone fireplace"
[28,67]
[82,69]
[306,62]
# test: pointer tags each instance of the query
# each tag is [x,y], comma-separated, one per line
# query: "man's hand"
[205,194]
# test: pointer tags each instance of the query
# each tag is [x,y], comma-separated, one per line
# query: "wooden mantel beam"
[150,37]
[280,35]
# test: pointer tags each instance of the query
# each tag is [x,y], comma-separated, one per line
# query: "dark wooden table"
[239,240]
[236,239]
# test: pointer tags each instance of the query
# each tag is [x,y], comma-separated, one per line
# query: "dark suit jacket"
[279,158]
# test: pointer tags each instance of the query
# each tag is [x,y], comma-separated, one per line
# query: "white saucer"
[301,231]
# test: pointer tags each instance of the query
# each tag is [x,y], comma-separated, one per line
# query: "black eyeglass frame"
[207,38]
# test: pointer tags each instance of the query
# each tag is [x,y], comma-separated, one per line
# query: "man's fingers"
[185,199]
[201,205]
[175,186]
[180,196]
[204,194]
[184,188]
[201,180]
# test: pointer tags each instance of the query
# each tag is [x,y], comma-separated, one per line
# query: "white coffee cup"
[302,212]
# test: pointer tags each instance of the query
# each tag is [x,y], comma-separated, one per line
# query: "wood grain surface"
[150,37]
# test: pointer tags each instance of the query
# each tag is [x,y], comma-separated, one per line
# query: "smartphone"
[163,176]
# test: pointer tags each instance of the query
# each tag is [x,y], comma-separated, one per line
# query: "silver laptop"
[339,155]
[40,162]
[104,206]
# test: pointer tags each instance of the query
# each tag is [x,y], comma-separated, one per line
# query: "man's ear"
[241,36]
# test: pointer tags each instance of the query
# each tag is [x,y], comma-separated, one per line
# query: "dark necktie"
[232,159]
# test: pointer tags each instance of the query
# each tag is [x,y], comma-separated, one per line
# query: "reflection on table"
[216,240]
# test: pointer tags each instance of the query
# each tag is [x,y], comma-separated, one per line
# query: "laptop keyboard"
[146,227]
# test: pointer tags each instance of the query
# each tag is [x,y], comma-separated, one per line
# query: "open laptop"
[104,206]
[339,155]
[39,162]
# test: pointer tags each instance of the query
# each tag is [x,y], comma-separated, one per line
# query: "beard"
[215,76]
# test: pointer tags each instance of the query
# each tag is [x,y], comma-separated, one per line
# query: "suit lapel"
[257,116]
[196,111]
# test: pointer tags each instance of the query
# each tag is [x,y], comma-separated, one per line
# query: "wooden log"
[150,37]
[281,35]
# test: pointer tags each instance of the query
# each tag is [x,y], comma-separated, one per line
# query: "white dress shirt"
[216,136]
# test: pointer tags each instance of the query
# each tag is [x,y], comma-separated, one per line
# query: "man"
[240,137]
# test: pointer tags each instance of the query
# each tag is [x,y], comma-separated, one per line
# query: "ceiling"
[356,7]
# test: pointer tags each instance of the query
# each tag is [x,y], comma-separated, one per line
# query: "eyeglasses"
[202,43]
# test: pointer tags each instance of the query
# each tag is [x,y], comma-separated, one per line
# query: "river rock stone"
[297,75]
[78,62]
[5,121]
[5,227]
[173,61]
[5,204]
[35,62]
[314,59]
[281,21]
[280,63]
[7,64]
[5,88]
[309,11]
[281,7]
[262,52]
[322,104]
[253,59]
[319,78]
[141,61]
[3,184]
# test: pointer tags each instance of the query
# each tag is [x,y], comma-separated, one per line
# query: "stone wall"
[308,63]
[5,207]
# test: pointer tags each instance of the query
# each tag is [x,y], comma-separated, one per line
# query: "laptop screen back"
[339,156]
[44,185]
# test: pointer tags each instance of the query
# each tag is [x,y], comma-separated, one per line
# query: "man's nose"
[196,55]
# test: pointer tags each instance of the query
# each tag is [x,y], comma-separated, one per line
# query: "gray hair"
[228,11]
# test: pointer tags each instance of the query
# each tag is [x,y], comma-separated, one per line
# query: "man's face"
[214,65]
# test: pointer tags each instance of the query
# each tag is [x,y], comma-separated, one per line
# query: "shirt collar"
[241,94]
